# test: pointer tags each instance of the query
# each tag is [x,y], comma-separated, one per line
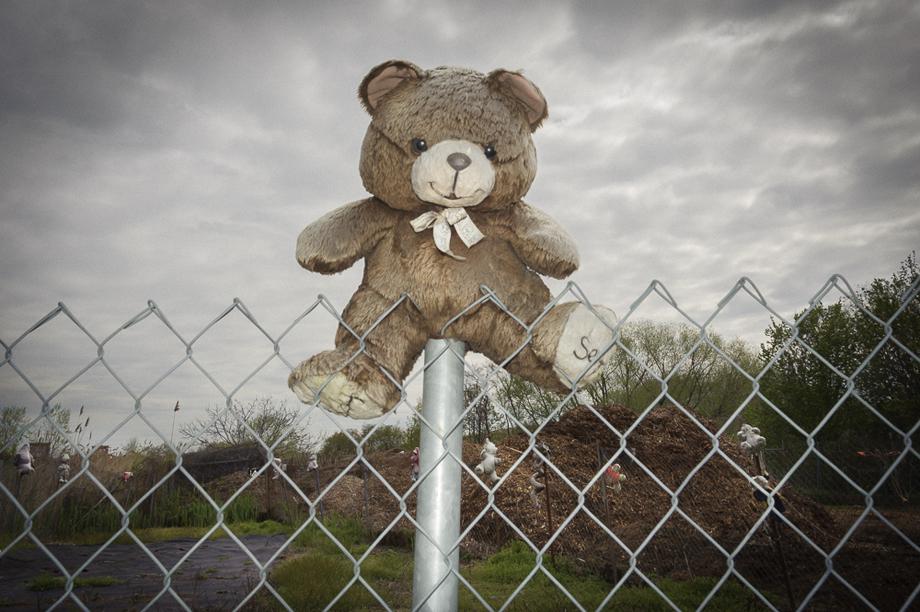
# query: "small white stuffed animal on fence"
[23,460]
[752,444]
[63,470]
[279,467]
[751,440]
[413,464]
[489,461]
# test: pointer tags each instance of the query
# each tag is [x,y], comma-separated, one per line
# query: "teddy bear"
[448,151]
[489,462]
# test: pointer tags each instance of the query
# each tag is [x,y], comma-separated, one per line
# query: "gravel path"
[215,577]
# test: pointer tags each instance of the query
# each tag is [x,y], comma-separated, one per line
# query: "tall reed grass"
[81,507]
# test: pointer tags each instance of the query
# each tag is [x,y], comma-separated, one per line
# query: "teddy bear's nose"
[458,161]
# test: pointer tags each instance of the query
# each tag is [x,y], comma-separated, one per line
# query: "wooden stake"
[316,492]
[600,466]
[549,510]
[364,479]
[268,493]
[611,544]
[782,561]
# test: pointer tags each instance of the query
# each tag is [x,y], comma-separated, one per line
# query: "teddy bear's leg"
[566,345]
[577,340]
[352,382]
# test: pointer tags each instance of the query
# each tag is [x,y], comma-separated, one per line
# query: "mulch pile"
[669,445]
[718,498]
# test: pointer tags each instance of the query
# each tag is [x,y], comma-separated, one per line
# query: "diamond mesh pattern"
[486,380]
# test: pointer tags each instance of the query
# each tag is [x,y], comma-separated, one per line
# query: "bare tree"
[269,418]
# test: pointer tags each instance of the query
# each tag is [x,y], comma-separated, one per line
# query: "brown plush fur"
[520,242]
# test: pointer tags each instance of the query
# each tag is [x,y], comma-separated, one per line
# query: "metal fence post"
[438,507]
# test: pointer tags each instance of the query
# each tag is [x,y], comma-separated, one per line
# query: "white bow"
[442,221]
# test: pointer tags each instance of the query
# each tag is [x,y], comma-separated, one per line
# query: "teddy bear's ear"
[522,90]
[383,79]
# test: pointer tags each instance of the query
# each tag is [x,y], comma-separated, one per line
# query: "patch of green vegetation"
[311,581]
[47,582]
[160,534]
[71,517]
[688,594]
[314,579]
[498,576]
[350,532]
[263,528]
[7,538]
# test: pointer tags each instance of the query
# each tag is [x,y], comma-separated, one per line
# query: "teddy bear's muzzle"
[453,174]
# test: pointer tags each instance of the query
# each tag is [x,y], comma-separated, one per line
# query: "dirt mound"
[667,457]
[661,451]
[665,447]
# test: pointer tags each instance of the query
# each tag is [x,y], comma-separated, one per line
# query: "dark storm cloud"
[767,135]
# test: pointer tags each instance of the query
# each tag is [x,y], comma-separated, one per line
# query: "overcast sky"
[174,150]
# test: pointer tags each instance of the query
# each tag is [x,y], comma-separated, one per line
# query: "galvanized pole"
[438,507]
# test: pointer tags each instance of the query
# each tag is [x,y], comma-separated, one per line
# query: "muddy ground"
[217,576]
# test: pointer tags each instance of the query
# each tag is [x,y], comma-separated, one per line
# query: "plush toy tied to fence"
[752,444]
[279,467]
[615,478]
[63,470]
[447,159]
[24,460]
[489,461]
[413,465]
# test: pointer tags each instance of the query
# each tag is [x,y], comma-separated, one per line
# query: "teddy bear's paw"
[340,395]
[586,333]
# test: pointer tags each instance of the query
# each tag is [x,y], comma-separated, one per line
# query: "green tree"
[803,383]
[891,380]
[53,429]
[49,430]
[385,437]
[12,420]
[336,446]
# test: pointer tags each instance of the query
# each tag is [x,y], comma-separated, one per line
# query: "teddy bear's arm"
[338,239]
[541,242]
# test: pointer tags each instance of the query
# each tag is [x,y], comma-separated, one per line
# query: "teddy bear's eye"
[419,145]
[489,151]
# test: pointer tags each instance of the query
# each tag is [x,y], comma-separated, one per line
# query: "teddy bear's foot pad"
[341,396]
[585,335]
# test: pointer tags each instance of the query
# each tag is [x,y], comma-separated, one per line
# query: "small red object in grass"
[126,476]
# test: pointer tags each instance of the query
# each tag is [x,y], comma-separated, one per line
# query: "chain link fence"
[624,494]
